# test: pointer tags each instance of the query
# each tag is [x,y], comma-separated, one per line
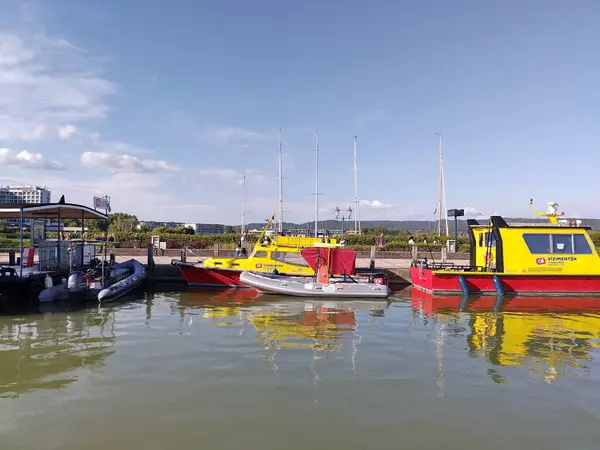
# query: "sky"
[164,105]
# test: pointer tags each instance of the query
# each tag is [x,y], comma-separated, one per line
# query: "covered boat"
[327,261]
[555,258]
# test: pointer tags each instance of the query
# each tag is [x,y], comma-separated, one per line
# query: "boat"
[324,284]
[528,259]
[276,253]
[40,257]
[91,285]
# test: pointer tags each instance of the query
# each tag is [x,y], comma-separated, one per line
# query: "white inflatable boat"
[336,287]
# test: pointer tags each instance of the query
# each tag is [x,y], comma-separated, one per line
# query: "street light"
[337,216]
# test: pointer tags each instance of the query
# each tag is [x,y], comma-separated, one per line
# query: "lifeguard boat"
[554,258]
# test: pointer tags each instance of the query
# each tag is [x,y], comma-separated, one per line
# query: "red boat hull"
[200,276]
[437,282]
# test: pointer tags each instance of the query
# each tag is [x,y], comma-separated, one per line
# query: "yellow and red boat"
[554,258]
[280,253]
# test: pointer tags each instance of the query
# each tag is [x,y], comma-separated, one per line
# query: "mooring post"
[150,264]
[372,262]
[183,254]
[444,254]
[216,251]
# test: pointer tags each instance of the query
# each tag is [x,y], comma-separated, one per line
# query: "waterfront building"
[24,194]
[209,228]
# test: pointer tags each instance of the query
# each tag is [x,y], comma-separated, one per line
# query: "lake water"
[229,370]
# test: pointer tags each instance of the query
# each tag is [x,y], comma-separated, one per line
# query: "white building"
[24,194]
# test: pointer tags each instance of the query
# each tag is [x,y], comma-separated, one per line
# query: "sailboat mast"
[243,201]
[356,201]
[280,184]
[441,184]
[317,183]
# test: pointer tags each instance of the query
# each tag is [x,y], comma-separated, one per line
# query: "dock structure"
[24,269]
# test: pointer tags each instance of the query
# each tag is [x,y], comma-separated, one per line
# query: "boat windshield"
[293,258]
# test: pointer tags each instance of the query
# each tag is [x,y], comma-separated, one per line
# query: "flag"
[434,211]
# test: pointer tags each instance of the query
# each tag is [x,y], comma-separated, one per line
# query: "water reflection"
[550,337]
[283,321]
[44,351]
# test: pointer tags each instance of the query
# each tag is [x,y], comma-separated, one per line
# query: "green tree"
[229,229]
[121,222]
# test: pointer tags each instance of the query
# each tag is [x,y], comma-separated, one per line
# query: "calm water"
[225,370]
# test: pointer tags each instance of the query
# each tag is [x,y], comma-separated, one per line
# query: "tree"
[229,229]
[121,222]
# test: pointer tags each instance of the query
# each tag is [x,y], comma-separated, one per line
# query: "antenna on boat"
[243,200]
[441,210]
[280,184]
[316,183]
[551,213]
[356,202]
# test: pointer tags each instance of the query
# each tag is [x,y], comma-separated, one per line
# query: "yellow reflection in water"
[545,335]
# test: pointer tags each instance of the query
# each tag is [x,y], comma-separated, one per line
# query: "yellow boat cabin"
[558,247]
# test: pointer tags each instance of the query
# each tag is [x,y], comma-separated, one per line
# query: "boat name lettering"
[560,260]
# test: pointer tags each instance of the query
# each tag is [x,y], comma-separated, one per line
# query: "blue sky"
[162,105]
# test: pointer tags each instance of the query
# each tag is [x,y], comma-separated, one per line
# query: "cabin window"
[538,244]
[581,245]
[560,244]
[293,258]
[490,240]
[260,254]
[481,240]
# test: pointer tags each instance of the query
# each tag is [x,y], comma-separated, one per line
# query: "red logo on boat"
[540,261]
[258,266]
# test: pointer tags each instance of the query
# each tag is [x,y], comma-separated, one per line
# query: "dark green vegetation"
[123,229]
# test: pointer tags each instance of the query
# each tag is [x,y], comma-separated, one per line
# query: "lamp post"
[456,213]
[344,217]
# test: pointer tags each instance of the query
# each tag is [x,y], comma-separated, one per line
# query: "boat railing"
[449,266]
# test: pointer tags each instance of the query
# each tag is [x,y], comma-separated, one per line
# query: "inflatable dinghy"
[335,287]
[122,279]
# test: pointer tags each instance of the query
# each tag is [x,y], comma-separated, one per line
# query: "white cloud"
[125,163]
[375,204]
[46,82]
[66,131]
[27,160]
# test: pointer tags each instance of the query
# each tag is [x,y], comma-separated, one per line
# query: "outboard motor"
[76,282]
[379,278]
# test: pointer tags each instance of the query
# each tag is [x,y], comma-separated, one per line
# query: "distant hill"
[410,225]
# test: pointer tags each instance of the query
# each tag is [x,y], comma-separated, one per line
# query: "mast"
[243,201]
[280,184]
[317,183]
[356,201]
[441,209]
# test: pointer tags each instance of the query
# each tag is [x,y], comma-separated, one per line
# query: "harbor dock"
[395,264]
